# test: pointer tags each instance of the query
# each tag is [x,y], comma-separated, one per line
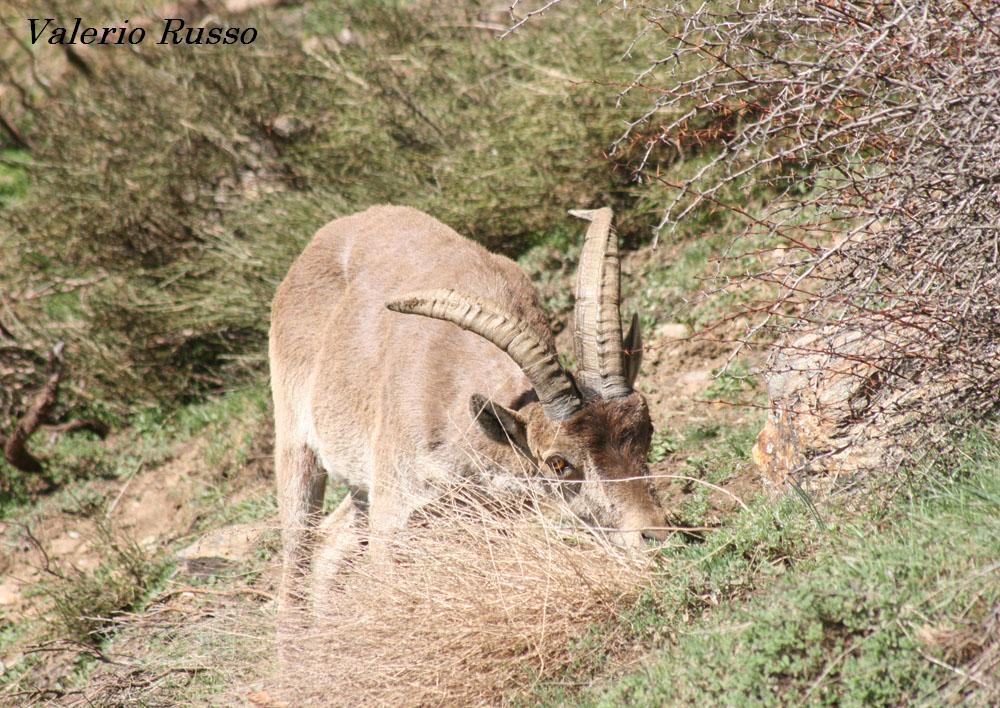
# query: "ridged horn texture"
[597,334]
[538,359]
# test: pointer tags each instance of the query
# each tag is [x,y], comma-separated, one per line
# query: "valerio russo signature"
[174,31]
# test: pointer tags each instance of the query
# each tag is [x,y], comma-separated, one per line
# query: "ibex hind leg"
[301,483]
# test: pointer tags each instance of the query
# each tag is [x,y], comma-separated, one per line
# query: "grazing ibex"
[395,405]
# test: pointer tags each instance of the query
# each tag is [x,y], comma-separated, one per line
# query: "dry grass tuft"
[472,607]
[475,603]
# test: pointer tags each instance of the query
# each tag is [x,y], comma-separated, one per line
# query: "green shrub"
[189,178]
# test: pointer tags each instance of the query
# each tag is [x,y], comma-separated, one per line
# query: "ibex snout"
[645,524]
[658,534]
[640,539]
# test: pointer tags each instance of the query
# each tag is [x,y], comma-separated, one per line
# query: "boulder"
[672,331]
[224,546]
[819,389]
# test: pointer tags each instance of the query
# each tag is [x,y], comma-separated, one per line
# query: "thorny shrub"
[876,125]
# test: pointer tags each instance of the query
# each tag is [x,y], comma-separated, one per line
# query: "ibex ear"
[499,422]
[633,351]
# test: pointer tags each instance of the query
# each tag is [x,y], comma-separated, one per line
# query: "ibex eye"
[559,465]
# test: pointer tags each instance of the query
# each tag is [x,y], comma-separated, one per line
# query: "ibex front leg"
[341,538]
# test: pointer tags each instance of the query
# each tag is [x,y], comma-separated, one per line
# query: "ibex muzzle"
[403,355]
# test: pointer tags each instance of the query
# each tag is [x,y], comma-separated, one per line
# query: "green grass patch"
[84,603]
[730,384]
[773,611]
[231,425]
[13,176]
[709,452]
[664,444]
[694,578]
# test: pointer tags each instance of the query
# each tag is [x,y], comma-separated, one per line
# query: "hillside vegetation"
[151,206]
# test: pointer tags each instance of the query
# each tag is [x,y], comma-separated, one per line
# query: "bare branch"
[15,448]
[874,127]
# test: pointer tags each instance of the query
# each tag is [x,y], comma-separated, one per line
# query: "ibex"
[394,404]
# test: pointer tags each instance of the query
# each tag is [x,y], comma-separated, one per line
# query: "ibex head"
[590,432]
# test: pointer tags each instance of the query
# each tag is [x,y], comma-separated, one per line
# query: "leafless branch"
[875,127]
[15,448]
[519,21]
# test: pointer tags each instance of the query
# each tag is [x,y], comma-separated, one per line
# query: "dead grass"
[475,604]
[470,610]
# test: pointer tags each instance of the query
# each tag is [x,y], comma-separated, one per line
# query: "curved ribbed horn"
[537,358]
[597,333]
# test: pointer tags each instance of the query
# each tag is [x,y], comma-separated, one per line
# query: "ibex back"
[395,405]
